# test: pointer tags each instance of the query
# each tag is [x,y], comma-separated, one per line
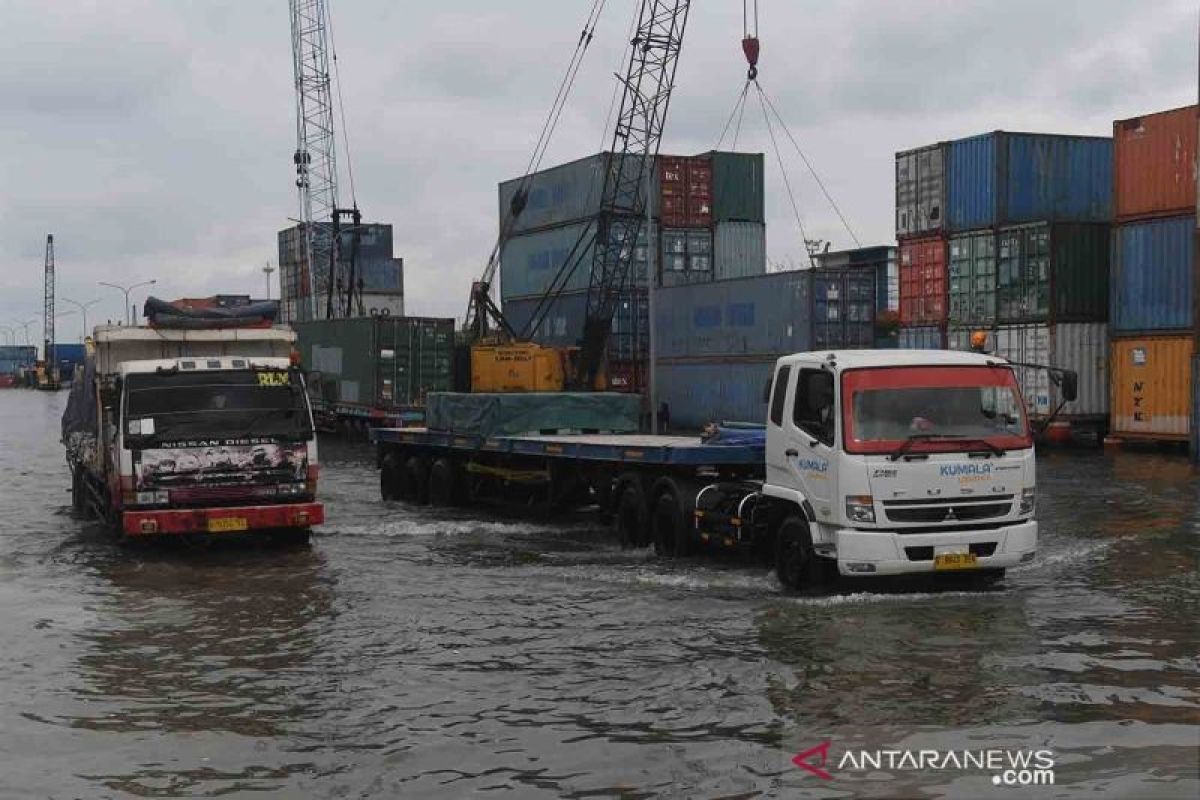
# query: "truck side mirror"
[767,391]
[1070,385]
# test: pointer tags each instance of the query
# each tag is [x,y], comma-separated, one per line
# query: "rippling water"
[418,654]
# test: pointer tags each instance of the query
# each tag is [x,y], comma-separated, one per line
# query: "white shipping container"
[1078,346]
[739,249]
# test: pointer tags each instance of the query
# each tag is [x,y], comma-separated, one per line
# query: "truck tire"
[389,478]
[672,539]
[444,488]
[630,519]
[78,496]
[416,480]
[797,566]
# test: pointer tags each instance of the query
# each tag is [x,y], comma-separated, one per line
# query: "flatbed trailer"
[645,484]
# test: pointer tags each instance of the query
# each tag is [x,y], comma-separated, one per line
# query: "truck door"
[779,470]
[809,437]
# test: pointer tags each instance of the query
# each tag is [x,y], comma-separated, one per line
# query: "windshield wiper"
[918,437]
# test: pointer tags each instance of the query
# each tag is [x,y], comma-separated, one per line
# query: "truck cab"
[889,462]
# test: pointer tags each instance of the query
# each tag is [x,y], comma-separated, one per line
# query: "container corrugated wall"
[1052,272]
[925,337]
[765,315]
[1152,275]
[1081,347]
[1151,387]
[920,191]
[1004,178]
[1057,178]
[714,390]
[737,180]
[529,262]
[562,323]
[563,193]
[739,249]
[923,281]
[1155,158]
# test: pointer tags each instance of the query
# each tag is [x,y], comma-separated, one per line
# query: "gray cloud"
[155,138]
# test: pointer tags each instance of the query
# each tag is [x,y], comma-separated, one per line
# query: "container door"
[1008,275]
[983,279]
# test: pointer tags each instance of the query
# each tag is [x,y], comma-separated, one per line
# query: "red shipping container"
[672,176]
[923,281]
[1154,169]
[699,192]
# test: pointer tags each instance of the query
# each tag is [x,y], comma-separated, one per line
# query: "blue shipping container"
[767,315]
[14,358]
[928,337]
[714,390]
[843,314]
[528,263]
[1152,275]
[1011,178]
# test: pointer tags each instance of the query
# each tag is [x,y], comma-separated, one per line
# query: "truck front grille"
[962,509]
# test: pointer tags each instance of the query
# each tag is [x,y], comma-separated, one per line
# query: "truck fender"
[792,496]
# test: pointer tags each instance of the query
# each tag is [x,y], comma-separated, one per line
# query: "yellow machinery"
[512,366]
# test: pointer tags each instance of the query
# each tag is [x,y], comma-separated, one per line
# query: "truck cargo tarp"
[162,314]
[497,414]
[80,413]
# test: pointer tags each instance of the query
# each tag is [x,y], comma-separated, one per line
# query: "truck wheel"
[416,480]
[78,498]
[443,483]
[672,539]
[630,521]
[389,478]
[796,564]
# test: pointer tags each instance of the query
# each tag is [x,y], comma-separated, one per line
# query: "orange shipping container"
[1151,387]
[1154,173]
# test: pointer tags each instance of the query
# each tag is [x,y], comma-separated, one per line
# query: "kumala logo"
[812,465]
[958,470]
[1008,767]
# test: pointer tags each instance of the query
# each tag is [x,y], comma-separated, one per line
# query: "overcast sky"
[154,139]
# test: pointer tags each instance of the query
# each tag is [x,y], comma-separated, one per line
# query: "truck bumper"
[866,553]
[231,519]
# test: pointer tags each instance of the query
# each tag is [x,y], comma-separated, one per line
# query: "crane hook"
[750,49]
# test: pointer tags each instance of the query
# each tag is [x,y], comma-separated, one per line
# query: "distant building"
[381,273]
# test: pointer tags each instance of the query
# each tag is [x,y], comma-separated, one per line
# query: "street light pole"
[12,337]
[25,327]
[267,270]
[126,291]
[83,307]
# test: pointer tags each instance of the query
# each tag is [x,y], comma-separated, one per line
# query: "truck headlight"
[158,497]
[1028,500]
[860,508]
[290,489]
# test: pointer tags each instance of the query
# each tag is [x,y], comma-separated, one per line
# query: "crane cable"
[786,183]
[337,84]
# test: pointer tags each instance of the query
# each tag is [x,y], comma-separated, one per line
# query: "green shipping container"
[737,189]
[384,363]
[972,266]
[1052,273]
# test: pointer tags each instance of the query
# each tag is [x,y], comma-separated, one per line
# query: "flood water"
[417,654]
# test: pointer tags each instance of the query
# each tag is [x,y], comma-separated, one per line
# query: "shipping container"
[686,257]
[972,278]
[739,250]
[843,315]
[69,355]
[958,337]
[1195,445]
[14,358]
[737,187]
[920,191]
[923,337]
[529,263]
[706,390]
[923,281]
[558,195]
[1081,347]
[763,315]
[882,258]
[1003,178]
[685,191]
[1155,164]
[1052,272]
[376,364]
[1153,276]
[562,322]
[1151,387]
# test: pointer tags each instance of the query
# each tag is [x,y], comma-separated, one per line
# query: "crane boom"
[48,325]
[645,98]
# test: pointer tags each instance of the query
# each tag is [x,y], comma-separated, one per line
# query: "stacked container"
[1020,253]
[718,342]
[881,263]
[1153,278]
[15,361]
[708,212]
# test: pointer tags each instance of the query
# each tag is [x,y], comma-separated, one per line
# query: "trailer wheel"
[444,487]
[672,539]
[389,478]
[630,521]
[416,480]
[796,564]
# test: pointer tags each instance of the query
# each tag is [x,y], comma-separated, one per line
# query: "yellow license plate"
[226,524]
[954,561]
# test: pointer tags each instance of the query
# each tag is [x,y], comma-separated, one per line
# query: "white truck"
[870,463]
[186,431]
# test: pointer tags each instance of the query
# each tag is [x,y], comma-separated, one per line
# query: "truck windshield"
[940,408]
[225,403]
